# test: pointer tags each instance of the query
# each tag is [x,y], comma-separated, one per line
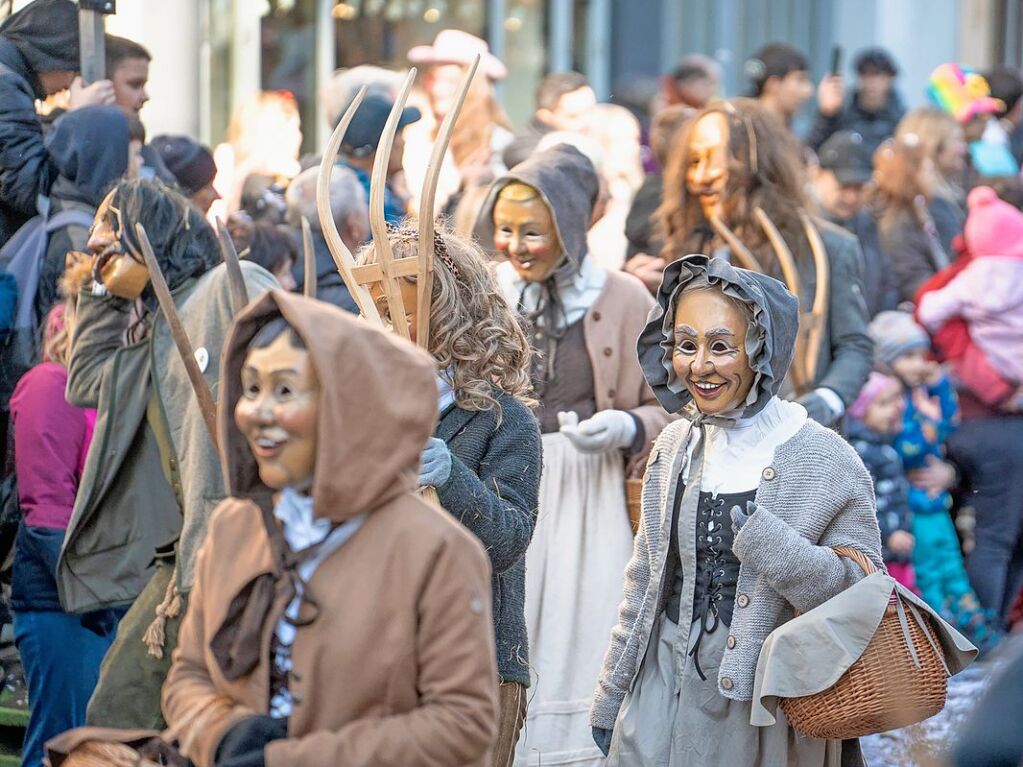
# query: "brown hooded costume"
[398,667]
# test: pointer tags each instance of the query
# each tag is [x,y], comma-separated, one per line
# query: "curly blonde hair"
[474,333]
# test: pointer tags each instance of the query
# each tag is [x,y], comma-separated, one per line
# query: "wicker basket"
[634,501]
[883,690]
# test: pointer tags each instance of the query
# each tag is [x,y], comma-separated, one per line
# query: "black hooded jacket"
[42,37]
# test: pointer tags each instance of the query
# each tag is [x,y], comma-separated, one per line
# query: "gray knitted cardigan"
[815,495]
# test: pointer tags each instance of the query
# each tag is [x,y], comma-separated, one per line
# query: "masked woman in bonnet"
[743,501]
[596,413]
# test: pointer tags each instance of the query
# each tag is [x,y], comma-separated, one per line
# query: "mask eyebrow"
[685,330]
[720,332]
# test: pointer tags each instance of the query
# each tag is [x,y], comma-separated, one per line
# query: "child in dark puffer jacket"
[875,418]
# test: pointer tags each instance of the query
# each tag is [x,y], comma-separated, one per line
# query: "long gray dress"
[675,715]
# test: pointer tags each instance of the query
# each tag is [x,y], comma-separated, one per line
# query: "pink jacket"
[988,295]
[51,440]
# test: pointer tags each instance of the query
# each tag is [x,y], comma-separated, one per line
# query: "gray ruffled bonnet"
[770,340]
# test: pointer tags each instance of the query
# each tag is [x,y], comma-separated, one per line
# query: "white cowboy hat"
[453,46]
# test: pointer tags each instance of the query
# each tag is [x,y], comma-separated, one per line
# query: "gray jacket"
[816,495]
[126,509]
[847,354]
[493,490]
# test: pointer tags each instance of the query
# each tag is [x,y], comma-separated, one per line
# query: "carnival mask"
[710,357]
[707,171]
[278,413]
[409,297]
[524,230]
[123,274]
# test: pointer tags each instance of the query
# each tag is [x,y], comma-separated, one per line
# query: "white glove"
[607,430]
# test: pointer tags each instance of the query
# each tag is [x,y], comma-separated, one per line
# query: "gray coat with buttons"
[815,495]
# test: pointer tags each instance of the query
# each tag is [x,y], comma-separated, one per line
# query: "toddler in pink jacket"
[988,293]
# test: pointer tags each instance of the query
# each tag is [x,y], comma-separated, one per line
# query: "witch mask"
[123,273]
[707,171]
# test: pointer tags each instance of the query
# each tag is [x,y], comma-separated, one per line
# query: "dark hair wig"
[184,243]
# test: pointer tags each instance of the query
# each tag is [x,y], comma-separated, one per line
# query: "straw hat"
[453,46]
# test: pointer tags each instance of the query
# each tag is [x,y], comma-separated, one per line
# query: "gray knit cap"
[895,334]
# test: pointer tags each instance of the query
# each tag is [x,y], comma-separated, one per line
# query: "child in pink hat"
[987,294]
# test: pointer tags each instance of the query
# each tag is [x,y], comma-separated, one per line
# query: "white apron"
[575,568]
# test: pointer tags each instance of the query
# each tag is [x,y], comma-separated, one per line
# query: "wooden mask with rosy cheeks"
[525,232]
[709,355]
[278,411]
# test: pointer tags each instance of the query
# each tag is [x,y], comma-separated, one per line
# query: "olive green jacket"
[126,509]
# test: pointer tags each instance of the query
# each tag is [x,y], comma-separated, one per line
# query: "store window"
[380,32]
[525,46]
[219,20]
[287,35]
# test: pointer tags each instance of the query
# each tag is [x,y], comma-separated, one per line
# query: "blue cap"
[367,125]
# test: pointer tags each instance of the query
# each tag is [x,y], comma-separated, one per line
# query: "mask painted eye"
[721,348]
[686,347]
[251,390]
[284,391]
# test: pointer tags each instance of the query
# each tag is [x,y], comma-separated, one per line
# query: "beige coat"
[611,327]
[399,667]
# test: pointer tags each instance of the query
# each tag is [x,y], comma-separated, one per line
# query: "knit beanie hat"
[993,227]
[895,334]
[872,389]
[191,163]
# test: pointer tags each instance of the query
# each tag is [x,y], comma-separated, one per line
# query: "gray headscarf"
[568,185]
[770,341]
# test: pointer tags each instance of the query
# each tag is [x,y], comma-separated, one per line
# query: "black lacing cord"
[711,513]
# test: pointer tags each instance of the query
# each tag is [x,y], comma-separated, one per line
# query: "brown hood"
[378,406]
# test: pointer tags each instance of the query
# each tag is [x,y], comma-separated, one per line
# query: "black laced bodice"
[717,568]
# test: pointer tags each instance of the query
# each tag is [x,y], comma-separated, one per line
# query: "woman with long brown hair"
[904,177]
[734,183]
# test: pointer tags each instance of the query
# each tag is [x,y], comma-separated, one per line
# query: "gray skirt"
[686,722]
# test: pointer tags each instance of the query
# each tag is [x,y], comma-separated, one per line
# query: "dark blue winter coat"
[874,127]
[89,147]
[891,488]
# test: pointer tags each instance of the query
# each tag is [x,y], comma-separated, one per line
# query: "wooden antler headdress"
[389,271]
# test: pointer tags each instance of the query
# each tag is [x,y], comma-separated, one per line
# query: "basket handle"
[858,557]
